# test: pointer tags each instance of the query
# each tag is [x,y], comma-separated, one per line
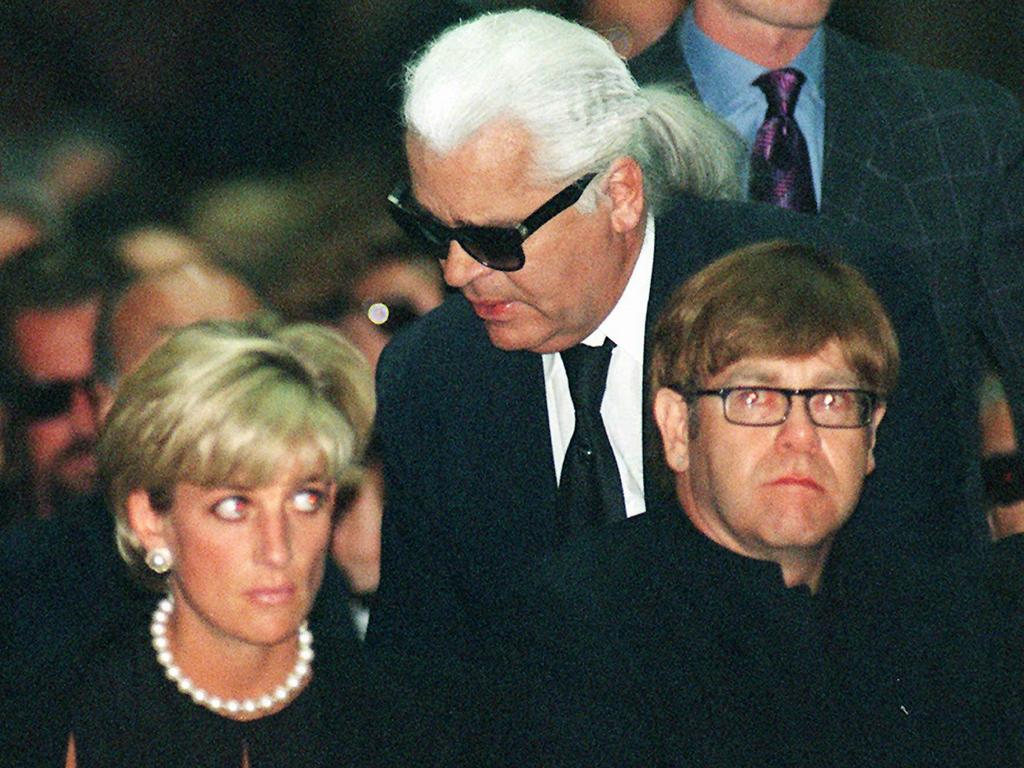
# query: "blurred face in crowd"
[388,297]
[777,493]
[355,544]
[156,305]
[16,235]
[577,264]
[54,350]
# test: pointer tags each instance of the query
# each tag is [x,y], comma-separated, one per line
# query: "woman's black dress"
[128,714]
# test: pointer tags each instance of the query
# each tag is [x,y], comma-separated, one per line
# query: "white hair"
[577,99]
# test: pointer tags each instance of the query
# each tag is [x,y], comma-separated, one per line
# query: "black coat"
[467,452]
[646,644]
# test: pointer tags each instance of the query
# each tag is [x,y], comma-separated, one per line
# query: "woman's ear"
[148,525]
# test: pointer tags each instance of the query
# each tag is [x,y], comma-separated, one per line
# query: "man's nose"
[798,432]
[84,411]
[460,269]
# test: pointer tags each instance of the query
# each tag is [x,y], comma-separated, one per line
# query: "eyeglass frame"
[873,401]
[418,223]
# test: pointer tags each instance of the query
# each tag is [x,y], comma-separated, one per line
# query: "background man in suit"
[931,160]
[712,634]
[476,420]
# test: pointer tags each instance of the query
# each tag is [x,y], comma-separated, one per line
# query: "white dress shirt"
[622,406]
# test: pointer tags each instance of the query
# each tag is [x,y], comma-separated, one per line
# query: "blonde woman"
[223,454]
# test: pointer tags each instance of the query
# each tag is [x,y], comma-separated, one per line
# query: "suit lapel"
[854,127]
[663,62]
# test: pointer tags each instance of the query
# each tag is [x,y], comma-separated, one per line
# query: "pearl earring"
[159,560]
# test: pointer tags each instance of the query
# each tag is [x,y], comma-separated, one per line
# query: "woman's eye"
[309,500]
[231,508]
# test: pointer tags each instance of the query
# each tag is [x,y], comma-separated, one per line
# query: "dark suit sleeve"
[1000,262]
[576,701]
[416,597]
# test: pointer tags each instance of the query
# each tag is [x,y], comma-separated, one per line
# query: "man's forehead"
[463,185]
[56,343]
[826,368]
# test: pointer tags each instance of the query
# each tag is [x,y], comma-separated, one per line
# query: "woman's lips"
[271,595]
[492,310]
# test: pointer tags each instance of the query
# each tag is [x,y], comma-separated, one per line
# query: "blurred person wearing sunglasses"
[565,203]
[46,342]
[395,285]
[714,631]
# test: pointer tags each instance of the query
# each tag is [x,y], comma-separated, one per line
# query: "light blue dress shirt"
[724,81]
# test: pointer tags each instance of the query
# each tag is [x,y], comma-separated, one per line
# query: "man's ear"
[673,418]
[148,525]
[876,419]
[624,186]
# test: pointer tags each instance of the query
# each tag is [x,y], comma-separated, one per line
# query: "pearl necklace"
[258,704]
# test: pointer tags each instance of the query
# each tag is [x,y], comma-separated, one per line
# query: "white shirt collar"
[625,323]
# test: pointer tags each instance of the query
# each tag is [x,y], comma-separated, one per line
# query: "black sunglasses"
[38,401]
[498,248]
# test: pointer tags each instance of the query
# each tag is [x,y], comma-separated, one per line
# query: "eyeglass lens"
[825,407]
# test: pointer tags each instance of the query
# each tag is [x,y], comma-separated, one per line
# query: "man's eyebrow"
[756,376]
[751,374]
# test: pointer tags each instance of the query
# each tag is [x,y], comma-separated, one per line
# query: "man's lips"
[492,310]
[799,481]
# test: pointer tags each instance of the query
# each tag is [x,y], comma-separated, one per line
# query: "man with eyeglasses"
[712,630]
[513,418]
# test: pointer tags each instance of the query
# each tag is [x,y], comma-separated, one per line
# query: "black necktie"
[780,169]
[589,491]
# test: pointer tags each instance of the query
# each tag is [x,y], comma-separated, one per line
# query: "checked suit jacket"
[469,473]
[932,160]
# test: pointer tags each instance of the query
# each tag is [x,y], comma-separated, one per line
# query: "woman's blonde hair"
[225,403]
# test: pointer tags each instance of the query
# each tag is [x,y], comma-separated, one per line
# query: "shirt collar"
[625,323]
[723,77]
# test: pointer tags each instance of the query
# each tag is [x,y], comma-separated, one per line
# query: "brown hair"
[775,299]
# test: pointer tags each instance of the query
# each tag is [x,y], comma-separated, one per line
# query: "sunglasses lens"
[426,236]
[498,249]
[44,401]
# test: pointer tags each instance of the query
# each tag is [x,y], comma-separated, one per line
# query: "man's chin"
[78,479]
[512,339]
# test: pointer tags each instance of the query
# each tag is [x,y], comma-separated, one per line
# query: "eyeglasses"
[770,406]
[391,315]
[498,248]
[38,401]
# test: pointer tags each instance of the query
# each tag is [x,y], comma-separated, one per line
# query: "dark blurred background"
[204,90]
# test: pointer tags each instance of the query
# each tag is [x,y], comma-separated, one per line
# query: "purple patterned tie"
[780,169]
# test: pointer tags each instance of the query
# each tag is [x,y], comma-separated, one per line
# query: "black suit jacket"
[646,644]
[932,160]
[468,465]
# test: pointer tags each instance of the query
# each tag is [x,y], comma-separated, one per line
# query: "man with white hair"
[513,418]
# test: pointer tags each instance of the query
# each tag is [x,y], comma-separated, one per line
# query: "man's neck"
[803,571]
[770,46]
